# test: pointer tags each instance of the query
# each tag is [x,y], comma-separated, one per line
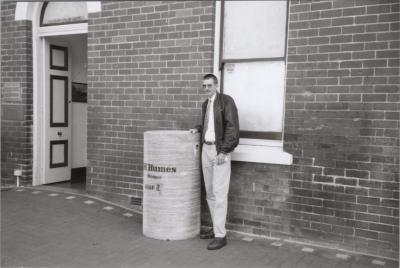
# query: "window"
[57,13]
[252,64]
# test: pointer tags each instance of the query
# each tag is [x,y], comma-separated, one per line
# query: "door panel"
[58,101]
[58,153]
[57,134]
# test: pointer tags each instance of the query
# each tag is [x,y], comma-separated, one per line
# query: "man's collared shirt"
[210,133]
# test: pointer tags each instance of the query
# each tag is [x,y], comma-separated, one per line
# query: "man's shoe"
[207,235]
[217,243]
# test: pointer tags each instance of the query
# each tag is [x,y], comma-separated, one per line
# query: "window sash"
[257,88]
[254,29]
[222,61]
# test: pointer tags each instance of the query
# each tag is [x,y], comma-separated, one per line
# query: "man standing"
[220,136]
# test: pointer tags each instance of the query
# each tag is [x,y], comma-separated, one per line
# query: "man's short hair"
[211,76]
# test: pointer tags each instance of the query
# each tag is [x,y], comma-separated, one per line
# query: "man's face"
[209,87]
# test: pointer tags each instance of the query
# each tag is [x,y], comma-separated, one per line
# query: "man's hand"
[221,158]
[193,130]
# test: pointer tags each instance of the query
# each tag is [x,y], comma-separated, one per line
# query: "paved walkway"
[43,228]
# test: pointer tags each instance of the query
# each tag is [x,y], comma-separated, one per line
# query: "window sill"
[262,154]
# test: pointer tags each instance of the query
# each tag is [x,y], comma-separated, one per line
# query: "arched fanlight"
[58,13]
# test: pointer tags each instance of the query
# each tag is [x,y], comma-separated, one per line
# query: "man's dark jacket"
[226,123]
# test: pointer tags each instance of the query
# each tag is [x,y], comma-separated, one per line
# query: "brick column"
[16,96]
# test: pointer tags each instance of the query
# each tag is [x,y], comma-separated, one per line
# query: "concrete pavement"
[50,228]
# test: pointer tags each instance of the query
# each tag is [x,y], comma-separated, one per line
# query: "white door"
[57,134]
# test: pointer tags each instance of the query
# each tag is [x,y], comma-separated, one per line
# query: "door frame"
[39,74]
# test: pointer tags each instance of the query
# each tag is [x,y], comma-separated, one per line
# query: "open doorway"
[65,83]
[65,24]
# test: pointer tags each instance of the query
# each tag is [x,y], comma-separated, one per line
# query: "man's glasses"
[207,85]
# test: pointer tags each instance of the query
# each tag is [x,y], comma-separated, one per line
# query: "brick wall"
[342,122]
[16,96]
[146,61]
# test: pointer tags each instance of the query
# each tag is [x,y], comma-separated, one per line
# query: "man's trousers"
[216,180]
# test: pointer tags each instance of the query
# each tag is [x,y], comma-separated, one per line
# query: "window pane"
[257,89]
[254,29]
[64,12]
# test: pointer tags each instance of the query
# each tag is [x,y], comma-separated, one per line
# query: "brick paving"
[48,230]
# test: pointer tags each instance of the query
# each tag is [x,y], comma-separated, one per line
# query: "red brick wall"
[16,96]
[341,123]
[146,61]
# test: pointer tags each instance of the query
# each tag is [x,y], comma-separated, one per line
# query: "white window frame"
[252,150]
